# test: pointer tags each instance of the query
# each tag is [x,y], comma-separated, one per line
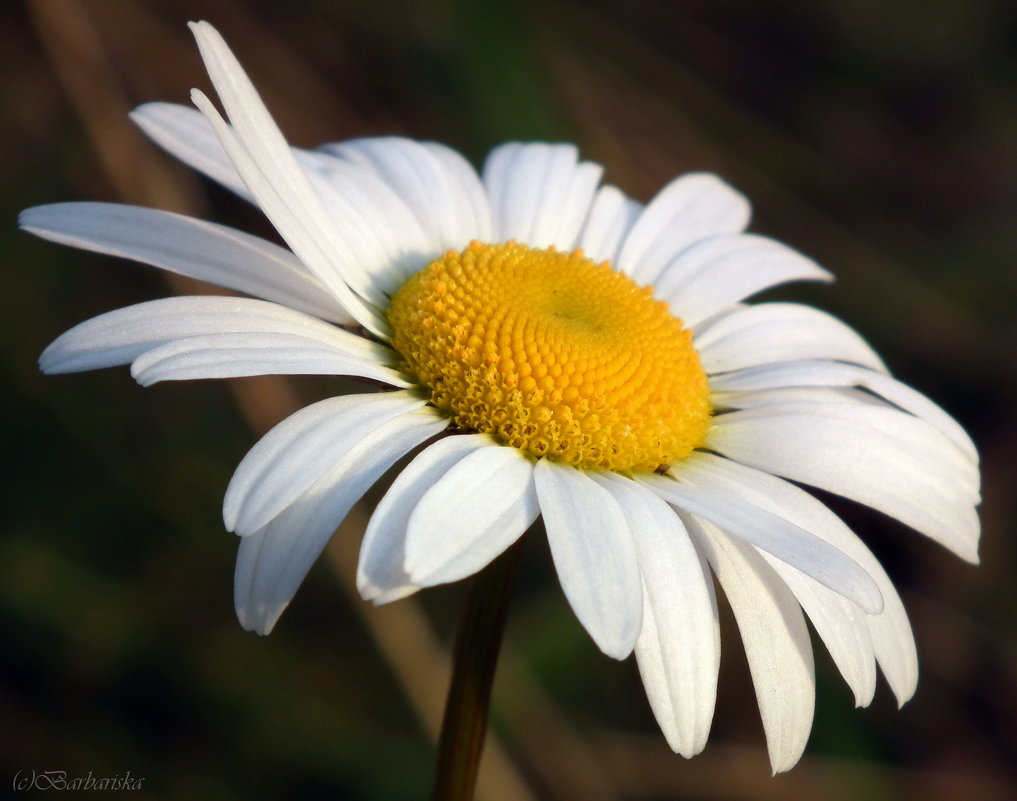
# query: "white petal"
[956,474]
[593,553]
[883,458]
[611,218]
[235,355]
[387,239]
[718,272]
[679,646]
[889,632]
[186,135]
[840,625]
[391,245]
[540,193]
[301,449]
[381,574]
[732,401]
[779,332]
[462,179]
[120,336]
[437,184]
[831,374]
[187,246]
[776,641]
[282,190]
[690,208]
[274,560]
[740,517]
[469,516]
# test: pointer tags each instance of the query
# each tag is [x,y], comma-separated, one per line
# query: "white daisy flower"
[547,347]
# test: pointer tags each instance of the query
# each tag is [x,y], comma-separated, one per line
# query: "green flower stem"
[474,658]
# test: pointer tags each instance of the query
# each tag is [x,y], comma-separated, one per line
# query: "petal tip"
[262,620]
[618,650]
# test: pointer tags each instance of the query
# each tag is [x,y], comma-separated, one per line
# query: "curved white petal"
[541,194]
[478,221]
[831,374]
[470,515]
[840,625]
[750,336]
[732,401]
[883,458]
[274,560]
[740,517]
[678,649]
[391,242]
[381,574]
[236,355]
[355,209]
[300,450]
[187,246]
[889,633]
[387,237]
[593,553]
[281,188]
[611,217]
[718,272]
[185,134]
[776,640]
[437,184]
[120,336]
[954,472]
[690,208]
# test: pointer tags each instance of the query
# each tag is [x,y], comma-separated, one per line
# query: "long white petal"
[956,474]
[889,632]
[776,641]
[389,241]
[235,355]
[470,515]
[282,190]
[462,179]
[790,543]
[187,246]
[748,401]
[571,215]
[186,135]
[679,646]
[540,193]
[300,450]
[381,574]
[611,218]
[120,336]
[718,272]
[831,374]
[274,560]
[883,458]
[840,625]
[364,205]
[593,553]
[438,185]
[391,244]
[779,332]
[690,208]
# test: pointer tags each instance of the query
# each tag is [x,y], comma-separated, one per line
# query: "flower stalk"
[474,658]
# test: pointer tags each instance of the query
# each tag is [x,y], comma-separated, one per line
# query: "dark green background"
[878,137]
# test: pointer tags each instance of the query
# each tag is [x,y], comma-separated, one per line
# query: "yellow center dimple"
[553,354]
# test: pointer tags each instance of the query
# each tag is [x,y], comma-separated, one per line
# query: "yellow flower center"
[553,354]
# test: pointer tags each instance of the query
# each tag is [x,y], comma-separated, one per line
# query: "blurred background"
[877,137]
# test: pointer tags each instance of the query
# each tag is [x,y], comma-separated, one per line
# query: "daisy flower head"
[544,346]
